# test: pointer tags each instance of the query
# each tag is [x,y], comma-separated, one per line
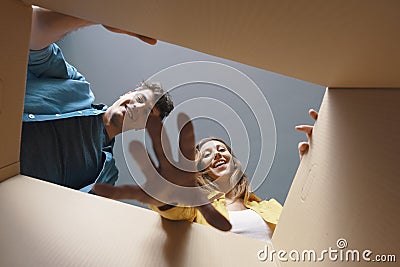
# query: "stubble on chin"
[116,121]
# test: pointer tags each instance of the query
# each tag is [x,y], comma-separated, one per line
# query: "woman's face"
[217,157]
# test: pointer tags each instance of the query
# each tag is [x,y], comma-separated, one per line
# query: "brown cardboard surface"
[9,171]
[43,224]
[342,43]
[15,21]
[348,185]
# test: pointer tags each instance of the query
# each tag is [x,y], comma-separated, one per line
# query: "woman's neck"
[235,204]
[224,185]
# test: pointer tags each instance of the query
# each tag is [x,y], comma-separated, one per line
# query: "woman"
[227,186]
[220,174]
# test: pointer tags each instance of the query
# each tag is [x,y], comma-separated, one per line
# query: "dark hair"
[163,100]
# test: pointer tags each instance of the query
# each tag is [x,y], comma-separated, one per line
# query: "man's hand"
[50,26]
[307,129]
[170,182]
[145,39]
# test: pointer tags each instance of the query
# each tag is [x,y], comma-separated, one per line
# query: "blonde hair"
[238,181]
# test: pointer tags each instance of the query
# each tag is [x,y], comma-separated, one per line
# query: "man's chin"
[129,125]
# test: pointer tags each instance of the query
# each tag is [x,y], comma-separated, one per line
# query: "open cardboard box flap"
[346,187]
[15,18]
[47,225]
[345,43]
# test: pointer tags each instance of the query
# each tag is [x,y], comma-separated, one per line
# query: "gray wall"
[114,64]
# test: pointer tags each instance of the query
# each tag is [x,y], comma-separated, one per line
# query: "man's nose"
[133,106]
[139,105]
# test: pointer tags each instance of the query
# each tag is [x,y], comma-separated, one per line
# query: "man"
[66,139]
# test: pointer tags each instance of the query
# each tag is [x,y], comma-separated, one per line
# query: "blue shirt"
[63,140]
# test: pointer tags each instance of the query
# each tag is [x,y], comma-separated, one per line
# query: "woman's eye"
[206,155]
[221,150]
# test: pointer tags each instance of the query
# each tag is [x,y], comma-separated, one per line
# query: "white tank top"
[249,223]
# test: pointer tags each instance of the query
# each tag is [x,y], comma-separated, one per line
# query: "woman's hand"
[307,129]
[169,182]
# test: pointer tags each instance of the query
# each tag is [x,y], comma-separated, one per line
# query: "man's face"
[131,110]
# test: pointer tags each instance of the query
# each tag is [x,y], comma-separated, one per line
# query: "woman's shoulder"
[269,209]
[267,203]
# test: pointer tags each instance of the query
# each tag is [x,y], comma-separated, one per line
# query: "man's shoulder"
[40,57]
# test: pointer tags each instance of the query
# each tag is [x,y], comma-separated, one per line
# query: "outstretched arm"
[49,27]
[170,181]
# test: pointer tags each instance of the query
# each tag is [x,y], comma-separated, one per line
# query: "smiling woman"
[221,176]
[209,185]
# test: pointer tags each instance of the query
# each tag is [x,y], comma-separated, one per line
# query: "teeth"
[219,163]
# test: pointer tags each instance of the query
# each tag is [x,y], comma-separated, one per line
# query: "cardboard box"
[15,29]
[47,225]
[346,187]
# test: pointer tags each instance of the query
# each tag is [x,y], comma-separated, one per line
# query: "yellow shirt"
[269,210]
